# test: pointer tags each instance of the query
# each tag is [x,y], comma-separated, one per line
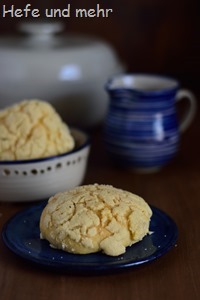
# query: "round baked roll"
[92,218]
[33,129]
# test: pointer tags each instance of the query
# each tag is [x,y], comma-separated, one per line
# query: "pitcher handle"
[186,94]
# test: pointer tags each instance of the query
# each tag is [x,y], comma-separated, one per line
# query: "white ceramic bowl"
[38,179]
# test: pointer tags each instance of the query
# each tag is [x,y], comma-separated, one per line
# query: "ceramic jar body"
[69,71]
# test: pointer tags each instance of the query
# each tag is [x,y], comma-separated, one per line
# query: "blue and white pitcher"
[142,130]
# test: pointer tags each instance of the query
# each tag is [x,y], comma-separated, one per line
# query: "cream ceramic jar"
[69,71]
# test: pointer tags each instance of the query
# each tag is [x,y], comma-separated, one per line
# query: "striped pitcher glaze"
[141,128]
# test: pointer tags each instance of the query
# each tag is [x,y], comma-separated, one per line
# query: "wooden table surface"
[176,275]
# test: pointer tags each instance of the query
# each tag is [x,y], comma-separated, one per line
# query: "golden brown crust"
[95,217]
[32,129]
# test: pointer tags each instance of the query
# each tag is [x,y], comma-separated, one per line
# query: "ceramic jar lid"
[68,70]
[35,37]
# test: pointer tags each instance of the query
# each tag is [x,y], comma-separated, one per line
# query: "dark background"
[154,36]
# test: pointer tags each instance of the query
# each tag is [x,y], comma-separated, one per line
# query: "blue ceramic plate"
[21,235]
